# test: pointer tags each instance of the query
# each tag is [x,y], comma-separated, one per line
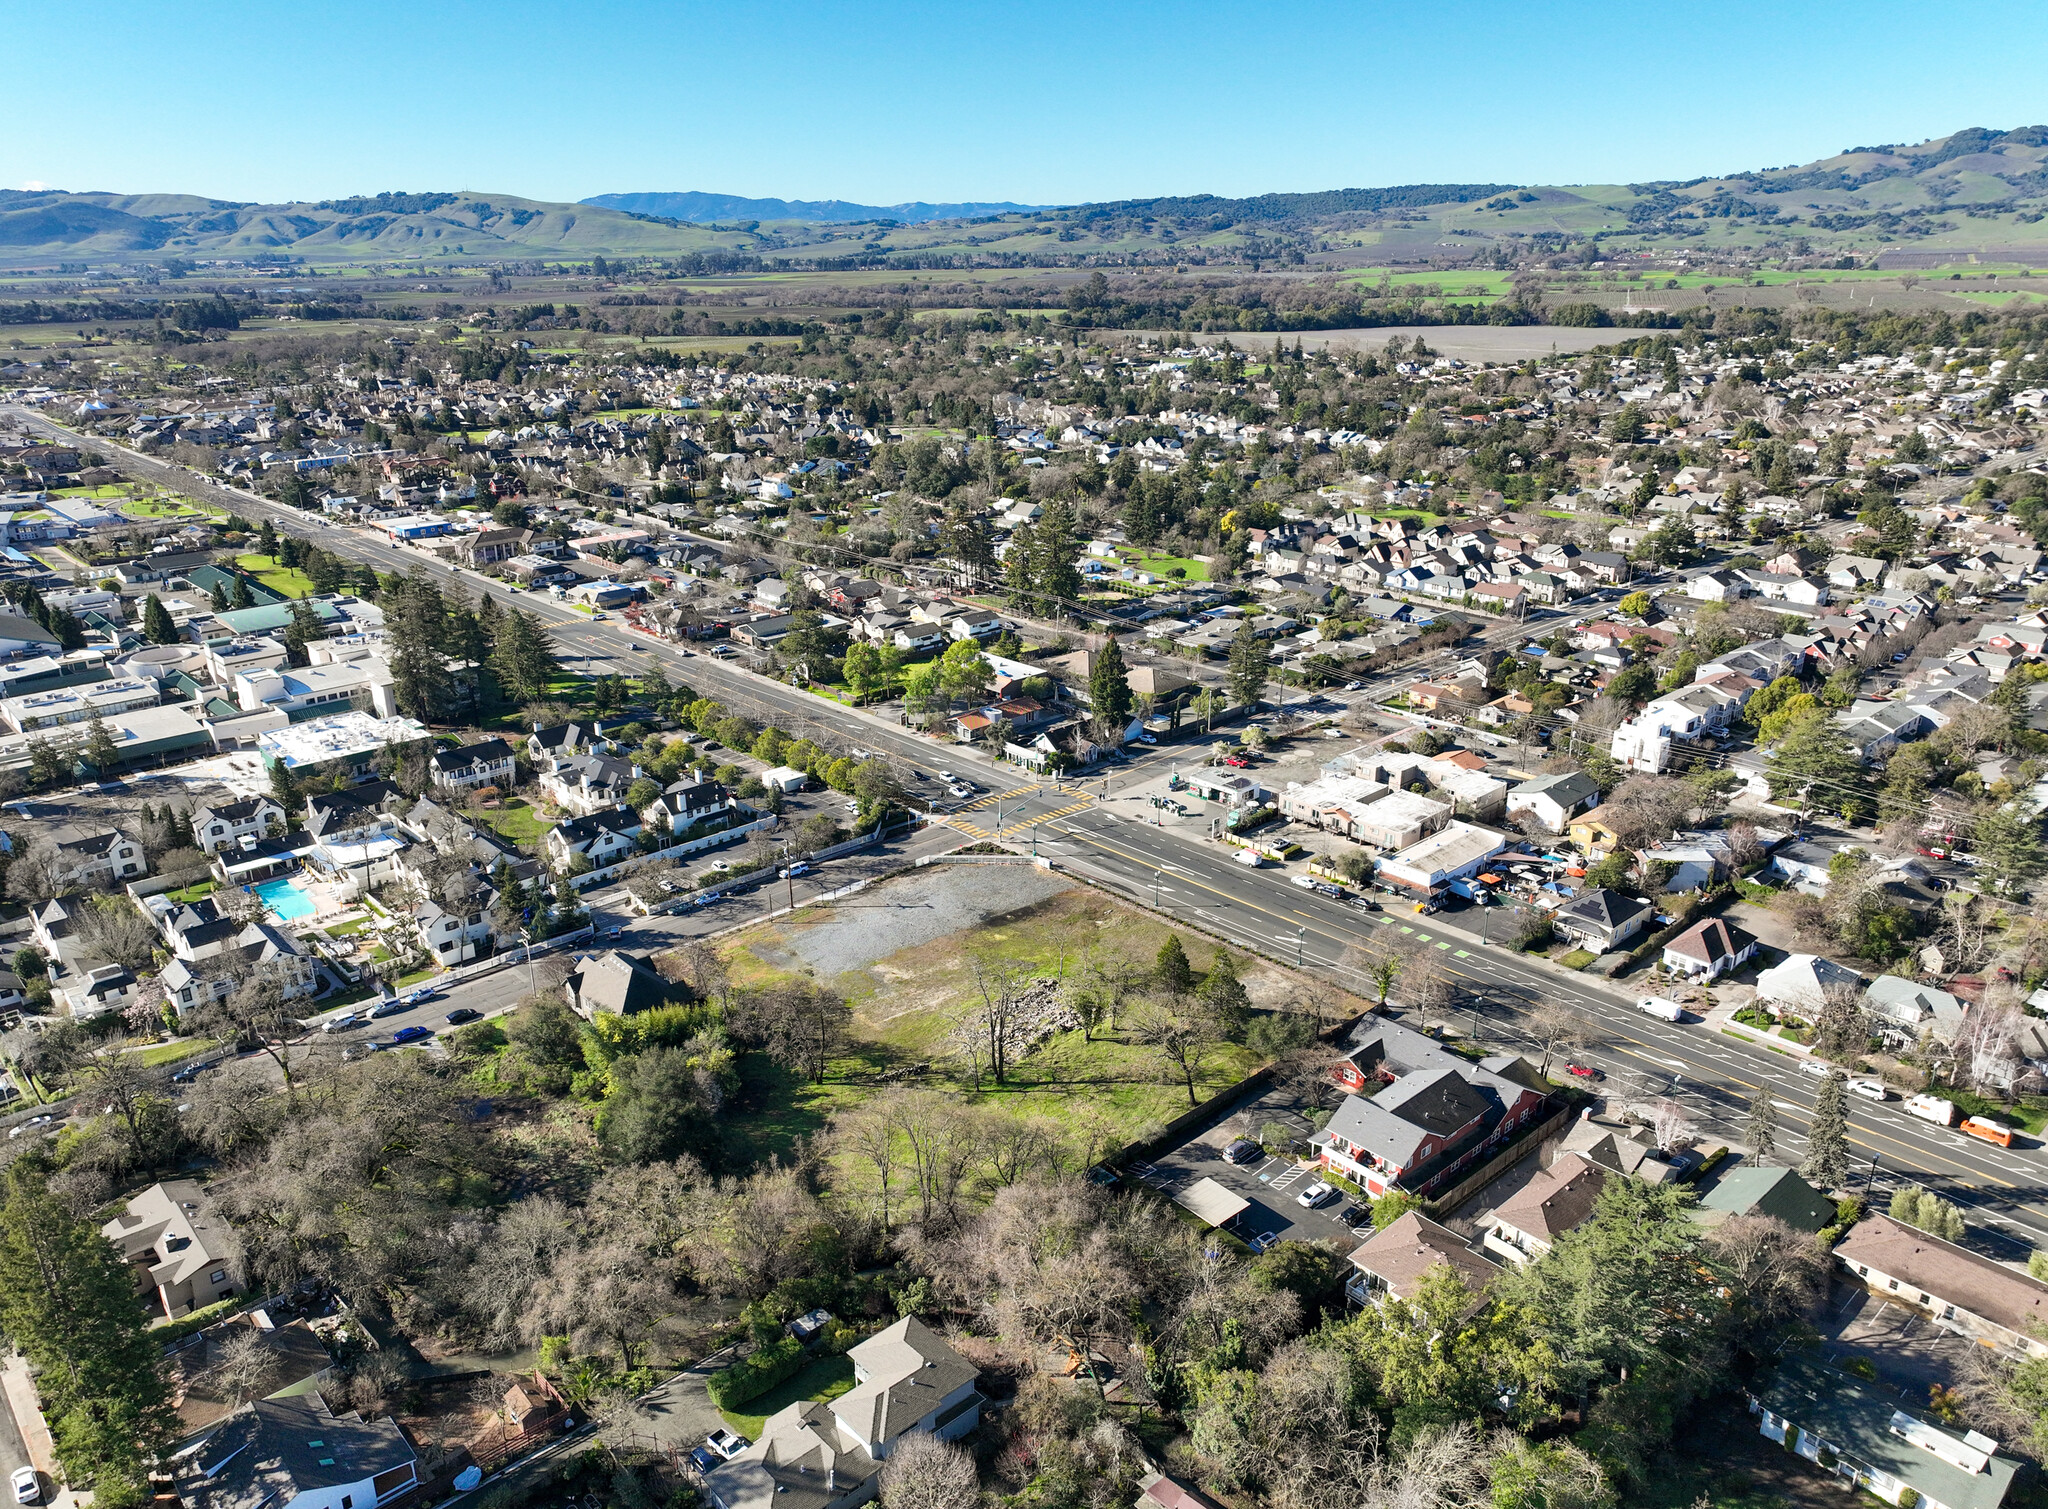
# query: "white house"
[1800,982]
[1554,800]
[295,1453]
[220,825]
[829,1455]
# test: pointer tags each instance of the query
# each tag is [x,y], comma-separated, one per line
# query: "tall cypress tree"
[1761,1132]
[1827,1143]
[67,1300]
[414,619]
[1251,665]
[1109,690]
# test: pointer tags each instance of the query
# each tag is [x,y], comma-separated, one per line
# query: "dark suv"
[1243,1151]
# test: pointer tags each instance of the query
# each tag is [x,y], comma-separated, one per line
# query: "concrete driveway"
[676,1416]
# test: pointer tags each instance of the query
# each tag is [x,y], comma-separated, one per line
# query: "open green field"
[1165,565]
[164,508]
[171,1053]
[279,578]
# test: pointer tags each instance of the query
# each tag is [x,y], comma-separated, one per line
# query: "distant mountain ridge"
[699,208]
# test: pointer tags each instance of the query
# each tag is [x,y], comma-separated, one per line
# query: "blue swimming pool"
[285,899]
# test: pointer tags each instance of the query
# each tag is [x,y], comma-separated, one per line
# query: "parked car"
[704,1459]
[1145,739]
[1243,1151]
[793,872]
[460,1015]
[1317,1195]
[28,1488]
[1355,1216]
[1582,1071]
[341,1023]
[414,1034]
[614,932]
[390,1008]
[1686,1163]
[726,1443]
[1236,762]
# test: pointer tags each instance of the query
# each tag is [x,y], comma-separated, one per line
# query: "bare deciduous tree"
[923,1472]
[1555,1027]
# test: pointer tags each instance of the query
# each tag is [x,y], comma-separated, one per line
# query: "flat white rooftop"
[337,738]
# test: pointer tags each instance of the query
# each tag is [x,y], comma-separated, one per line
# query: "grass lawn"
[170,1053]
[346,929]
[824,1380]
[277,577]
[516,822]
[191,893]
[1163,565]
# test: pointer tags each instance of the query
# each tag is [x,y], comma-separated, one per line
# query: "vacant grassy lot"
[279,578]
[907,1000]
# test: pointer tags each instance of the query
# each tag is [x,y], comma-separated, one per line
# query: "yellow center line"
[1857,1136]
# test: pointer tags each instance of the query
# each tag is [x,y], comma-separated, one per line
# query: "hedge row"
[760,1372]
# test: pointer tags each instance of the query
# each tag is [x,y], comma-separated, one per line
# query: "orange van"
[1990,1131]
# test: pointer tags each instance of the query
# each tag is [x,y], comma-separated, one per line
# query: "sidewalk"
[35,1434]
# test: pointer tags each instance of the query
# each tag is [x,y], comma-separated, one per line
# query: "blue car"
[406,1035]
[704,1459]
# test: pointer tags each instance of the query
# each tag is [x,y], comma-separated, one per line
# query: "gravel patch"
[912,910]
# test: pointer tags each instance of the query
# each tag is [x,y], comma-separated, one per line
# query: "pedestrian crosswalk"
[966,825]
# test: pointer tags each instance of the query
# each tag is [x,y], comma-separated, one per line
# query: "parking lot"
[1273,1185]
[1909,1350]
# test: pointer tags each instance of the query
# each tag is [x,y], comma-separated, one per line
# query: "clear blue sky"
[1057,102]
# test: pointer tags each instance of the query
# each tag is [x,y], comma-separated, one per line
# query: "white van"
[1251,859]
[1659,1007]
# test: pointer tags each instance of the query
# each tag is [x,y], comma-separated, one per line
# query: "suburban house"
[1418,1113]
[1601,919]
[1802,981]
[454,937]
[683,803]
[614,982]
[1523,1226]
[96,858]
[1906,1008]
[293,1452]
[1709,948]
[604,837]
[1987,1301]
[177,1245]
[489,763]
[198,977]
[1593,838]
[561,742]
[1391,1263]
[219,825]
[587,783]
[829,1455]
[357,826]
[1751,1190]
[1554,800]
[1858,1432]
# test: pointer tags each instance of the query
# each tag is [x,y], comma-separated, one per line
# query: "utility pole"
[1155,890]
[1300,933]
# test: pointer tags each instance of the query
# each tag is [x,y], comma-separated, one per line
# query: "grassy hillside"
[1974,194]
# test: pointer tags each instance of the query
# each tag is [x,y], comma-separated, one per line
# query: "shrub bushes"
[756,1375]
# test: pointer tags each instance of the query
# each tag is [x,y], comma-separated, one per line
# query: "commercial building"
[346,744]
[77,704]
[1456,852]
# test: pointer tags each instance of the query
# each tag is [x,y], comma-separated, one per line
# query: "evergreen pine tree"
[101,752]
[1109,690]
[1761,1132]
[1172,969]
[218,597]
[1224,994]
[1814,761]
[1827,1143]
[268,538]
[157,627]
[304,629]
[68,1303]
[284,790]
[242,597]
[414,619]
[1054,577]
[1020,570]
[1251,665]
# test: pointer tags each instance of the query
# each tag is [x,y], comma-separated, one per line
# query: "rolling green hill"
[1975,193]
